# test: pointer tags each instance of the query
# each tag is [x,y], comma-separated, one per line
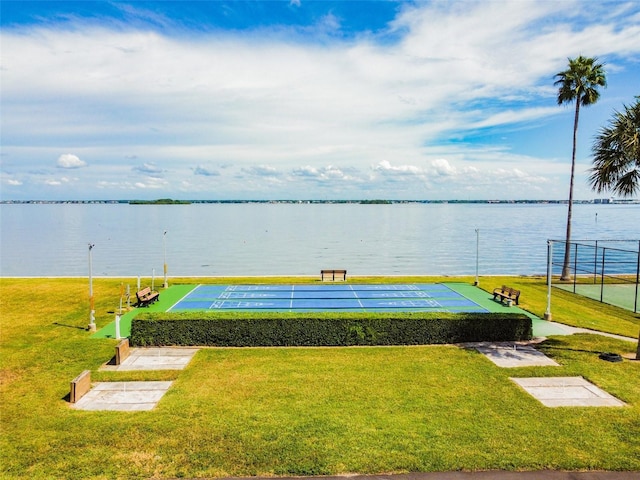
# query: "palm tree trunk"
[566,270]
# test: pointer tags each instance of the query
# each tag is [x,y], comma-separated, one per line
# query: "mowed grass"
[301,411]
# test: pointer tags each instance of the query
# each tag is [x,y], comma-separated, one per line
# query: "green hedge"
[325,329]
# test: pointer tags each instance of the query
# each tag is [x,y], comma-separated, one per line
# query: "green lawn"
[301,411]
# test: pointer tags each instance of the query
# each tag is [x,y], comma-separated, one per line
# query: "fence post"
[595,264]
[604,251]
[547,314]
[635,303]
[575,268]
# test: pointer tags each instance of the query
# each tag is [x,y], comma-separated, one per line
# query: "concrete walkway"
[550,391]
[136,396]
[567,330]
[155,358]
[123,396]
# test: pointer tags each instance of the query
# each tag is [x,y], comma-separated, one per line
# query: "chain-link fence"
[604,270]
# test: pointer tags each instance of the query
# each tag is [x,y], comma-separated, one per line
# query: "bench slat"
[333,273]
[507,293]
[146,296]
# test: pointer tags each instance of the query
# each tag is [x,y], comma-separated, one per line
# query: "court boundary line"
[434,304]
[185,296]
[464,296]
[293,288]
[357,297]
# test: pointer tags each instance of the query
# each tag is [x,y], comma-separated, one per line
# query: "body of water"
[295,239]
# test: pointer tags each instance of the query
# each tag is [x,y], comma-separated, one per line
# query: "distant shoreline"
[598,201]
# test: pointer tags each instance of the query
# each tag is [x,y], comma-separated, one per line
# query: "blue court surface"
[319,298]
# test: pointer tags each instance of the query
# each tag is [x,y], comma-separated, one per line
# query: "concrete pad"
[567,392]
[163,358]
[511,355]
[123,396]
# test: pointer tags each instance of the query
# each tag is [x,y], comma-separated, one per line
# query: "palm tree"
[616,154]
[616,158]
[578,83]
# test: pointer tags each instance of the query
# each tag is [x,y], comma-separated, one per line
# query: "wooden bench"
[333,275]
[80,386]
[146,297]
[507,293]
[122,351]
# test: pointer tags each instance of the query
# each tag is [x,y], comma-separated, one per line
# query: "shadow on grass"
[68,326]
[561,345]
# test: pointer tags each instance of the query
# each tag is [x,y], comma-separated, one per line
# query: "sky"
[300,99]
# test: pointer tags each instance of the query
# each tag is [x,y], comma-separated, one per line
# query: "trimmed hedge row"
[320,329]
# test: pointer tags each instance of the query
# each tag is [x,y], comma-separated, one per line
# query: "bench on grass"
[507,293]
[333,275]
[146,296]
[80,386]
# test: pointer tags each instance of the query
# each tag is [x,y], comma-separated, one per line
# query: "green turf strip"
[168,297]
[620,295]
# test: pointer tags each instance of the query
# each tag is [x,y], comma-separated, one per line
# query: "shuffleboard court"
[314,298]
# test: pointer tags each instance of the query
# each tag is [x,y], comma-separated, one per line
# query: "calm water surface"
[295,239]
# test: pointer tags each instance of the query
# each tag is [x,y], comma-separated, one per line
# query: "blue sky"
[303,99]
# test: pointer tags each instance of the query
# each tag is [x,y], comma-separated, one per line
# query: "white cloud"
[69,160]
[206,172]
[386,167]
[148,169]
[322,174]
[151,184]
[261,171]
[442,167]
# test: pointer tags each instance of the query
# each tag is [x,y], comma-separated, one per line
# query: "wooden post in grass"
[79,386]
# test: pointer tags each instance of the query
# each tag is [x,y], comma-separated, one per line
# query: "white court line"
[466,298]
[356,295]
[187,294]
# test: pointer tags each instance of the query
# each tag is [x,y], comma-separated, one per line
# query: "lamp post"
[164,252]
[92,310]
[547,313]
[477,282]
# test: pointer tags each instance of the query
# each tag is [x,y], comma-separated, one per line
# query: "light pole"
[477,282]
[92,310]
[547,313]
[164,252]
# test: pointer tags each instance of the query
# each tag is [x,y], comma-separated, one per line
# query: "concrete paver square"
[165,358]
[511,355]
[123,396]
[567,392]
